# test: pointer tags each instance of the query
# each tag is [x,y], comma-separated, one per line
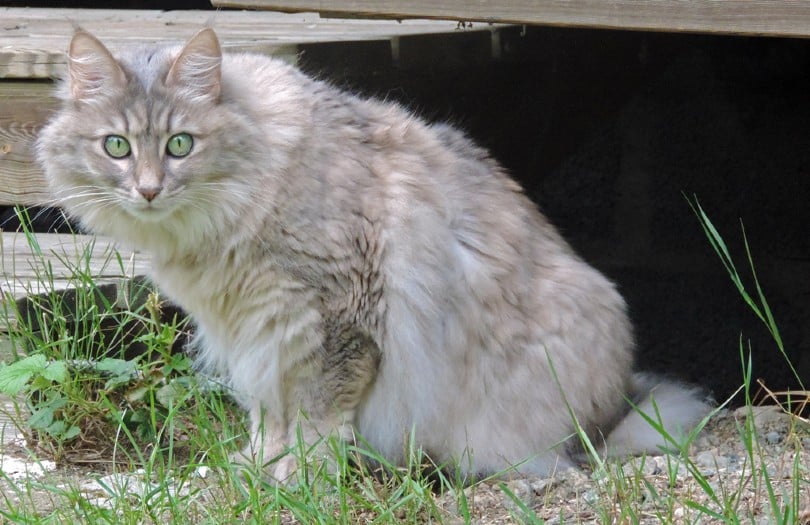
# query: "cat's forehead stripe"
[148,64]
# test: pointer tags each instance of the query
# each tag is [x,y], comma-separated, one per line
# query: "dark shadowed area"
[609,132]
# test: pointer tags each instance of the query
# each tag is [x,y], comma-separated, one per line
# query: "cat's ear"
[197,69]
[92,69]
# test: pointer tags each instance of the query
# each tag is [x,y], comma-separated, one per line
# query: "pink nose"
[149,193]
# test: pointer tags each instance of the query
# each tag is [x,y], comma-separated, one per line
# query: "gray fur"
[345,260]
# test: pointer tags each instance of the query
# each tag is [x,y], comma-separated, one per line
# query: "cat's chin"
[150,214]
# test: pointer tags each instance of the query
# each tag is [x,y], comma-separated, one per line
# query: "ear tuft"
[92,70]
[196,71]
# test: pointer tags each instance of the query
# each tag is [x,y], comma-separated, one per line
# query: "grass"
[141,438]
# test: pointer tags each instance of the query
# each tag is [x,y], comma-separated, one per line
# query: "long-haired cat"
[350,267]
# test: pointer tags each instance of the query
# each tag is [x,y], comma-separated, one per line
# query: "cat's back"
[445,219]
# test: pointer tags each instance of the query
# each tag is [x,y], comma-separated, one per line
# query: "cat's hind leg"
[322,394]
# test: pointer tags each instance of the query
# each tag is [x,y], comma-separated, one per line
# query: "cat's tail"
[673,407]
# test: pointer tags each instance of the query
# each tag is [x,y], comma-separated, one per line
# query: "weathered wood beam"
[59,261]
[24,108]
[33,41]
[784,18]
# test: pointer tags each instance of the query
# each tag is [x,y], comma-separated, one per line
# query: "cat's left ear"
[92,70]
[197,70]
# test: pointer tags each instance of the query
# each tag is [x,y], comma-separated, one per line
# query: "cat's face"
[147,139]
[146,157]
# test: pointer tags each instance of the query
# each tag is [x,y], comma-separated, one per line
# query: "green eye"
[117,146]
[179,145]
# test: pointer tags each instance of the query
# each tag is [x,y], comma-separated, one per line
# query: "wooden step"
[52,263]
[784,18]
[33,41]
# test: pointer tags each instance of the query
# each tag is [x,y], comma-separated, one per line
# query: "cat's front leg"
[267,439]
[322,396]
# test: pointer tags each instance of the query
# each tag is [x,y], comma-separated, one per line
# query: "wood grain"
[24,107]
[789,18]
[33,41]
[60,261]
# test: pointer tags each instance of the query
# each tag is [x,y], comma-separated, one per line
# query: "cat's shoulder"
[247,65]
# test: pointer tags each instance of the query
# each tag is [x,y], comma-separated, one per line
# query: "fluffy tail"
[675,406]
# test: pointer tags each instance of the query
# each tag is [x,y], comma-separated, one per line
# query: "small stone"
[764,416]
[773,437]
[103,490]
[590,497]
[543,486]
[733,459]
[763,519]
[654,465]
[706,458]
[521,490]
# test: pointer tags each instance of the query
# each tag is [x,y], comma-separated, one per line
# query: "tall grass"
[782,508]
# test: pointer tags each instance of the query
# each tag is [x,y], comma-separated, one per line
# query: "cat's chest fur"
[252,318]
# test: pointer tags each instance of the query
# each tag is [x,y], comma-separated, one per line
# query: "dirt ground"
[575,495]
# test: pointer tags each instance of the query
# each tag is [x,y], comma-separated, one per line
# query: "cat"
[351,269]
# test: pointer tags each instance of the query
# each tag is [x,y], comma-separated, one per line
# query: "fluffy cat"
[350,267]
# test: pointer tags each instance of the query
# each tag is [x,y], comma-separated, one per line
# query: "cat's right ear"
[92,69]
[197,69]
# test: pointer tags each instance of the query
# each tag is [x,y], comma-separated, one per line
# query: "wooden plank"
[786,18]
[32,41]
[24,107]
[60,261]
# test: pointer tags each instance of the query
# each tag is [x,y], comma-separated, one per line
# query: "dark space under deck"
[608,131]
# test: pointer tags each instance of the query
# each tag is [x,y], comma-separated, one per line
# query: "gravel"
[660,489]
[652,489]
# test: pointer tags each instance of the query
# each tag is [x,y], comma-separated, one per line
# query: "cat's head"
[156,141]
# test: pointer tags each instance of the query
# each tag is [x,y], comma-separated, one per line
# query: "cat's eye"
[117,146]
[179,145]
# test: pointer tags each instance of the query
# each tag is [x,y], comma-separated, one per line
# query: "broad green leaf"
[170,394]
[71,432]
[117,367]
[15,376]
[12,381]
[137,394]
[122,371]
[42,418]
[56,428]
[55,371]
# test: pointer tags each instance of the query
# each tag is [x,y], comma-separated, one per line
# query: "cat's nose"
[149,192]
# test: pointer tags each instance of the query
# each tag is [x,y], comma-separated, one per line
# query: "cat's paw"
[283,471]
[275,469]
